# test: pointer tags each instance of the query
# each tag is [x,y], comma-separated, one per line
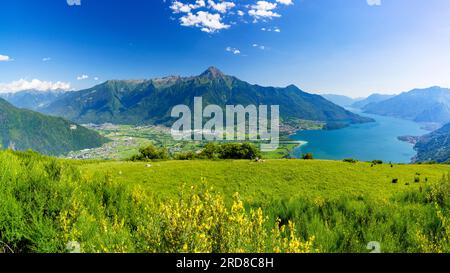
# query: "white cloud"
[212,16]
[233,50]
[259,46]
[179,7]
[96,78]
[374,2]
[35,84]
[4,58]
[221,7]
[274,29]
[204,20]
[82,77]
[285,2]
[263,9]
[46,59]
[74,2]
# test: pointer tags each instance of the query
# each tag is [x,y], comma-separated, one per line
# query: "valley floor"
[125,141]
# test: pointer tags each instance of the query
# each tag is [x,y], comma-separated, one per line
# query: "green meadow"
[48,205]
[261,182]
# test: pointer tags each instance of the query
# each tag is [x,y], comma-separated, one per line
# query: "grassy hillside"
[341,205]
[274,179]
[48,204]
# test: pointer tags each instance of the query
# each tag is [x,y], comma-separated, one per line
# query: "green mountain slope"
[150,101]
[25,129]
[434,146]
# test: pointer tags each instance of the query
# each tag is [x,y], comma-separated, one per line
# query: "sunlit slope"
[274,179]
[26,129]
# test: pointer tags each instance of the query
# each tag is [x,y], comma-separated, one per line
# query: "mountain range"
[23,129]
[430,105]
[374,98]
[32,99]
[341,100]
[138,102]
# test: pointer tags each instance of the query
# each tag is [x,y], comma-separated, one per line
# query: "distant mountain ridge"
[420,105]
[32,99]
[24,129]
[150,101]
[374,98]
[341,100]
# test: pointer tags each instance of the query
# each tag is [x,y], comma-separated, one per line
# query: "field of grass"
[50,205]
[342,205]
[260,182]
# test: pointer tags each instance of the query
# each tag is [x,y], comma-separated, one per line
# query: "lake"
[365,142]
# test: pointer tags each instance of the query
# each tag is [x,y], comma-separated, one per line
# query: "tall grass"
[413,221]
[46,203]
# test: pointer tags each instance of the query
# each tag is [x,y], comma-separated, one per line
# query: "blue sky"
[351,47]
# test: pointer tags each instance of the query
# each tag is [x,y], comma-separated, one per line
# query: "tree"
[151,153]
[239,151]
[210,151]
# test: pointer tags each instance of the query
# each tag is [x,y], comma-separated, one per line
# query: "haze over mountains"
[150,101]
[25,129]
[374,98]
[430,106]
[420,105]
[32,99]
[358,103]
[341,100]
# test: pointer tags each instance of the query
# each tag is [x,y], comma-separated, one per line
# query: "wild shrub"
[350,160]
[308,156]
[436,237]
[213,151]
[203,223]
[186,156]
[238,151]
[210,151]
[229,151]
[151,153]
[439,193]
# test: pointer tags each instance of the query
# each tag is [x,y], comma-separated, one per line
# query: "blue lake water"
[368,141]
